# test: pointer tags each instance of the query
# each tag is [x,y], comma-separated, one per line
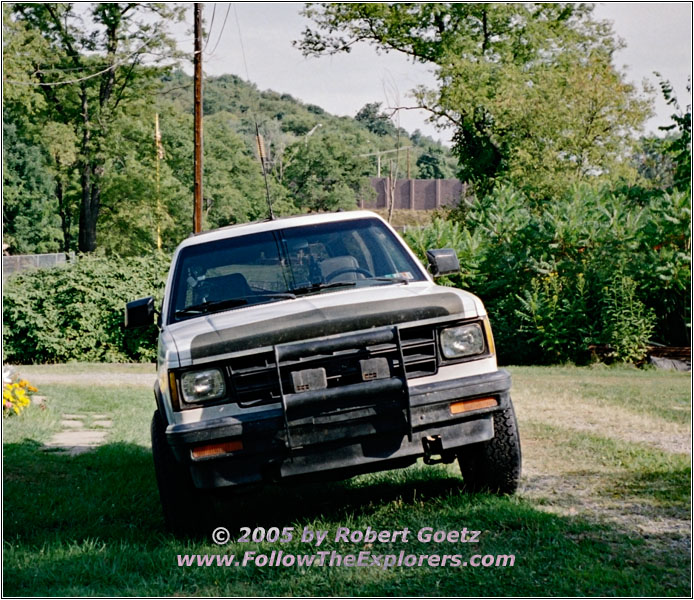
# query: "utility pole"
[381,153]
[197,105]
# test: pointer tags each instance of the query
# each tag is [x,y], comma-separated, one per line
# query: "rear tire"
[495,465]
[182,503]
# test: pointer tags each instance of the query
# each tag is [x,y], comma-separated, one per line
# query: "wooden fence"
[419,194]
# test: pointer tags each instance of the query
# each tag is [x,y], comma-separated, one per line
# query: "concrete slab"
[76,441]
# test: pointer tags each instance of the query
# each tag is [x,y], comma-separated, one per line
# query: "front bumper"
[341,444]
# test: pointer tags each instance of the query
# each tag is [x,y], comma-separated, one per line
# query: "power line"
[258,137]
[61,69]
[243,51]
[70,82]
[209,33]
[223,25]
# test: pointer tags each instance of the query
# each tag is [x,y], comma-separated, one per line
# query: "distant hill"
[283,120]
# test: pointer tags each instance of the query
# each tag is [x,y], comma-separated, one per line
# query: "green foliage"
[432,164]
[75,312]
[591,268]
[553,316]
[444,233]
[664,163]
[326,174]
[140,200]
[29,211]
[628,323]
[529,89]
[679,146]
[374,120]
[63,64]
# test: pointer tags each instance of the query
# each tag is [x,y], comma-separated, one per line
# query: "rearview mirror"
[139,313]
[443,261]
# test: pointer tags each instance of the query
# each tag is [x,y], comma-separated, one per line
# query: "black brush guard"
[347,410]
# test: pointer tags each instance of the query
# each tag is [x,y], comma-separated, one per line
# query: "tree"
[528,88]
[28,208]
[664,163]
[432,164]
[678,146]
[326,174]
[374,120]
[89,65]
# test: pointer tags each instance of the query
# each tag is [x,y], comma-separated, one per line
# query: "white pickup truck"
[319,346]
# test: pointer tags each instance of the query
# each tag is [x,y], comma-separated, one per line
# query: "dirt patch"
[564,409]
[576,494]
[560,483]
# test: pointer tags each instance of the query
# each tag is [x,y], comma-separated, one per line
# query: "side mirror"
[139,313]
[443,262]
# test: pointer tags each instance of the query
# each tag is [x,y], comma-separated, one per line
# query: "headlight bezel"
[481,329]
[189,398]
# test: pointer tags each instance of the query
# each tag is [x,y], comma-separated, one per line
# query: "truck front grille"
[254,377]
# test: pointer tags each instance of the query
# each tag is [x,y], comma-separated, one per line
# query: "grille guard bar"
[293,403]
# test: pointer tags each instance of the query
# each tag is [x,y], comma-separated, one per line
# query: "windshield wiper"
[390,279]
[210,305]
[278,295]
[317,287]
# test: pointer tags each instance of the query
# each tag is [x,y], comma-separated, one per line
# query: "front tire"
[182,503]
[495,465]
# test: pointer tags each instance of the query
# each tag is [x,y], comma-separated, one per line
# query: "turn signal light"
[217,449]
[468,405]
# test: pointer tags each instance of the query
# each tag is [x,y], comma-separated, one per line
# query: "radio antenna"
[262,156]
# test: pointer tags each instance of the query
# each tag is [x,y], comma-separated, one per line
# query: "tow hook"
[433,451]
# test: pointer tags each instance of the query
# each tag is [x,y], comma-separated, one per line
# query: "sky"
[658,37]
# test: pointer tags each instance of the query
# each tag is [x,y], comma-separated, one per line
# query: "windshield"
[286,263]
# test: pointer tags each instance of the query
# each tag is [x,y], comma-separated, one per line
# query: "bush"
[75,312]
[590,268]
[628,324]
[444,233]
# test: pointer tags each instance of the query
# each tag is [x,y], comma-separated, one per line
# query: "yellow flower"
[16,397]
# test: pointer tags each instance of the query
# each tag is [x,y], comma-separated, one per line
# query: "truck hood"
[330,313]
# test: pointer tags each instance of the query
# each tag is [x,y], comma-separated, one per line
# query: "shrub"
[553,315]
[628,324]
[443,233]
[590,268]
[75,312]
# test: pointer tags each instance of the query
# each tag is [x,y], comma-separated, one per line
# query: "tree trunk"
[91,203]
[89,181]
[391,183]
[64,212]
[87,234]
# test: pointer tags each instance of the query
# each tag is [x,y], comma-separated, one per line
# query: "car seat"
[338,263]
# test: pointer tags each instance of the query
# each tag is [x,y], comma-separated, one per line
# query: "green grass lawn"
[604,507]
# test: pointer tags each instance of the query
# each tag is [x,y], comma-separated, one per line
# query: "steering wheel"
[344,270]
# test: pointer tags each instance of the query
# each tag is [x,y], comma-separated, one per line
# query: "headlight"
[200,386]
[464,340]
